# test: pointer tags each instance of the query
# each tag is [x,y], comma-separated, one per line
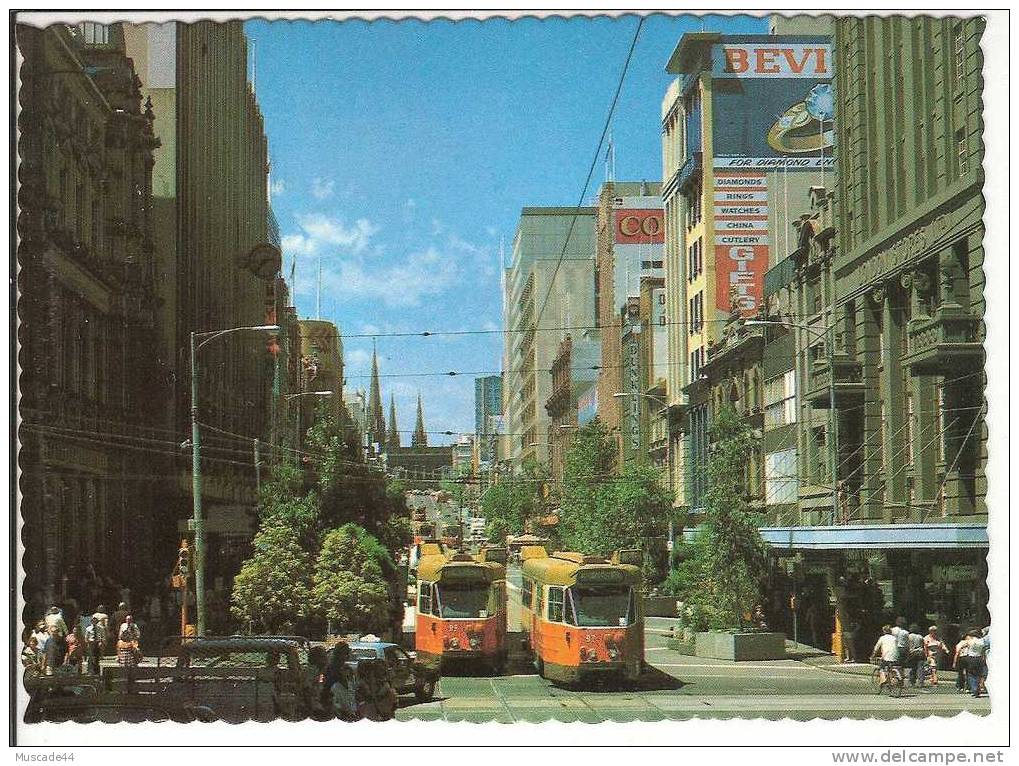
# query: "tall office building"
[630,252]
[747,126]
[548,286]
[216,249]
[487,402]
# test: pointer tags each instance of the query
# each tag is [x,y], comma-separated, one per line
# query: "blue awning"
[872,536]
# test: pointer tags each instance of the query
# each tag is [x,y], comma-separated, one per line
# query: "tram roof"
[562,567]
[436,564]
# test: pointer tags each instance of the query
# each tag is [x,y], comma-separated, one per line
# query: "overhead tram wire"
[590,172]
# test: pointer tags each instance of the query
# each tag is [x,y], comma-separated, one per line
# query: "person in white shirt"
[887,651]
[901,638]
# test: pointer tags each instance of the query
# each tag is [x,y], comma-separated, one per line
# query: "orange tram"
[582,615]
[461,607]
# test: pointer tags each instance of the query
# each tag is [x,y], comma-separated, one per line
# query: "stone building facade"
[94,461]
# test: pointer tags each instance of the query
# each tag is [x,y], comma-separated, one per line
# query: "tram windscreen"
[463,600]
[599,606]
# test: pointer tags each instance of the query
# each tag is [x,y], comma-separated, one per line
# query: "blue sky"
[403,152]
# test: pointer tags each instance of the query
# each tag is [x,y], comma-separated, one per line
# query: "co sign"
[633,226]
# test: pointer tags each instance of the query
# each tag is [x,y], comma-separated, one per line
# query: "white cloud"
[357,359]
[401,283]
[277,187]
[322,188]
[323,230]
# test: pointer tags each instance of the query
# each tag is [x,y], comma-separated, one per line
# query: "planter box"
[741,647]
[660,606]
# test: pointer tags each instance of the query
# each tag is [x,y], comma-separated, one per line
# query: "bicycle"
[895,680]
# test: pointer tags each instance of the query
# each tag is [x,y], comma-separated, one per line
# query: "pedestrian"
[118,619]
[341,683]
[104,627]
[917,657]
[973,656]
[886,651]
[56,629]
[94,642]
[959,664]
[31,658]
[128,652]
[376,697]
[849,642]
[75,656]
[934,650]
[318,661]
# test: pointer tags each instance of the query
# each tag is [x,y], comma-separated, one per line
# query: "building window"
[780,400]
[781,481]
[95,34]
[960,150]
[959,40]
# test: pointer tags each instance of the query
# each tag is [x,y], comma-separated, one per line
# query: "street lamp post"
[833,442]
[199,339]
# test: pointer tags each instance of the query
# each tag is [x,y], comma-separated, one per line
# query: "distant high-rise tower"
[393,437]
[487,402]
[420,438]
[376,420]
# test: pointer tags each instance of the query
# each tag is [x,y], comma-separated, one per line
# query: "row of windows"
[694,260]
[780,400]
[696,315]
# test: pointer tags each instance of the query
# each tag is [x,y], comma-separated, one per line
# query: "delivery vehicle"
[238,678]
[461,607]
[582,616]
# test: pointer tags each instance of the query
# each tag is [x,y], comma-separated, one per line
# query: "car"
[409,676]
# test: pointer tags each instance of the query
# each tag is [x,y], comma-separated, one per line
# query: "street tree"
[509,505]
[272,591]
[350,589]
[350,491]
[725,568]
[601,513]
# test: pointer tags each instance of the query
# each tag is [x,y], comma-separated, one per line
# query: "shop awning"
[877,536]
[871,537]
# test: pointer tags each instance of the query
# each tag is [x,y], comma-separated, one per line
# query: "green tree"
[285,500]
[727,565]
[509,505]
[602,513]
[349,491]
[271,592]
[350,587]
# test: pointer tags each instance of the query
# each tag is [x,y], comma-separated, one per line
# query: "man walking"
[934,649]
[56,629]
[104,627]
[901,636]
[93,645]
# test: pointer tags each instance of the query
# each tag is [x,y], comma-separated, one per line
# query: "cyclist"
[887,651]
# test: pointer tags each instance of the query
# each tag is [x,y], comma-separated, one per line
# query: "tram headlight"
[453,643]
[613,653]
[475,642]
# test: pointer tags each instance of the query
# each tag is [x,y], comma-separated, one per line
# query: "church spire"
[420,438]
[393,441]
[376,420]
